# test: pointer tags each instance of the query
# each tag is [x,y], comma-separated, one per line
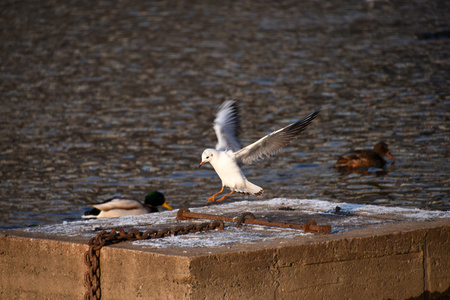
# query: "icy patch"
[87,227]
[229,236]
[299,211]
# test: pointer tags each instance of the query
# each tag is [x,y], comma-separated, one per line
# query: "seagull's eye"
[207,157]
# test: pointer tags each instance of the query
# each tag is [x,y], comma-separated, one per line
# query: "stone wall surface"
[399,261]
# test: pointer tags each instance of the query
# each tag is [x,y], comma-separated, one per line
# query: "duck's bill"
[390,155]
[167,206]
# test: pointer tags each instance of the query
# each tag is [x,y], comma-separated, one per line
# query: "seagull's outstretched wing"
[226,126]
[274,142]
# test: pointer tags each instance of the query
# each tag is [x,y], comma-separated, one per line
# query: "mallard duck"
[365,158]
[118,207]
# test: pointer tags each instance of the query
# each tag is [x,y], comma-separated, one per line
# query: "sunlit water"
[117,98]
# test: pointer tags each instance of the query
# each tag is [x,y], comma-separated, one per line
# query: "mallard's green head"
[156,199]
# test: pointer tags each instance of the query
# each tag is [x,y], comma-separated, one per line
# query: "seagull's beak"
[390,155]
[201,163]
[167,206]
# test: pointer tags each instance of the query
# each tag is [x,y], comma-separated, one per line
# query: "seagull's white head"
[208,156]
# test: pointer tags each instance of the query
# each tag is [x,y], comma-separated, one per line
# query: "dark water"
[109,98]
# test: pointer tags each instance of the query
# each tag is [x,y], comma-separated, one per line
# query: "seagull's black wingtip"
[316,110]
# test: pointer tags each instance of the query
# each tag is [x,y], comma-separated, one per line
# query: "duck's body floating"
[365,158]
[228,155]
[118,207]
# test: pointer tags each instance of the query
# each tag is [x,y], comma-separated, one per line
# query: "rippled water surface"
[110,98]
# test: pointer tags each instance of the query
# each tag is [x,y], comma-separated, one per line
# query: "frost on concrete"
[347,217]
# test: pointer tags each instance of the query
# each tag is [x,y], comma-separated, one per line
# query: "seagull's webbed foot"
[226,195]
[214,196]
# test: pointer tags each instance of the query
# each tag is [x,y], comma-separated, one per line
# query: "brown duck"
[365,158]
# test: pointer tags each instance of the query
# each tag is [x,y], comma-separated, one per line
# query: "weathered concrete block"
[358,279]
[390,262]
[227,276]
[128,274]
[34,268]
[436,248]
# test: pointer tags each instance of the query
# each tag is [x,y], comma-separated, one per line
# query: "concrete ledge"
[397,261]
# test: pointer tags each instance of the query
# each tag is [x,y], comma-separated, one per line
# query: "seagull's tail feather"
[251,189]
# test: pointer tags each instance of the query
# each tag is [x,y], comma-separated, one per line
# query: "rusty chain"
[117,235]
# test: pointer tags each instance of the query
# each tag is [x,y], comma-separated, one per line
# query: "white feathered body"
[231,174]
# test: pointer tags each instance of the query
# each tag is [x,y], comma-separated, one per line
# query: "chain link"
[117,235]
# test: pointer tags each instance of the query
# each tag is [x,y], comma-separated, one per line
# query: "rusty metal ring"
[218,224]
[242,217]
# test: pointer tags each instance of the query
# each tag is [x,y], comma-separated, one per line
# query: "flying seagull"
[228,156]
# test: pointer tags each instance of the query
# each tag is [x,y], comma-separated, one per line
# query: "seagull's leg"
[214,196]
[226,195]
